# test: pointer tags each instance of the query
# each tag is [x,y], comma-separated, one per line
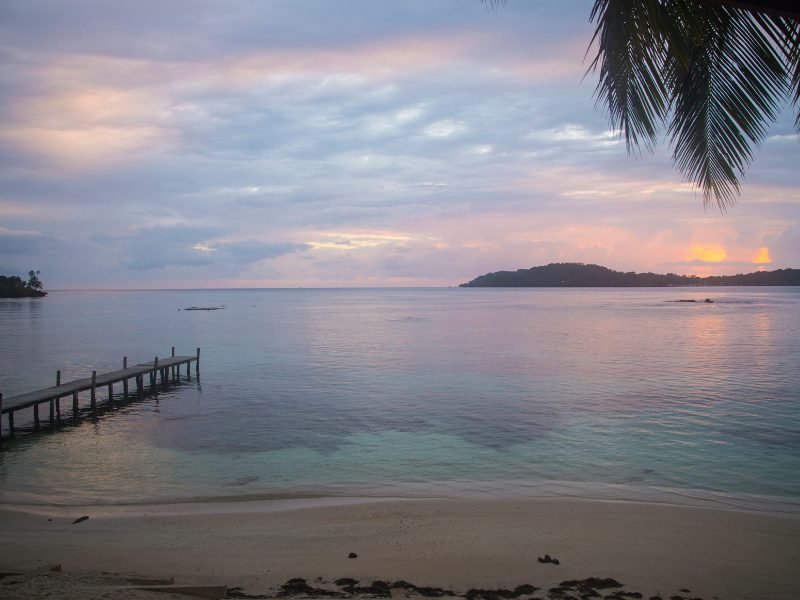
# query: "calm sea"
[606,393]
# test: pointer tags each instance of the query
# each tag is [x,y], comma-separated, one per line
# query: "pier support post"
[110,392]
[36,416]
[52,413]
[75,406]
[197,364]
[125,381]
[1,417]
[58,398]
[94,392]
[11,423]
[154,374]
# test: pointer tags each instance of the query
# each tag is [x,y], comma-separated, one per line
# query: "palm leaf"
[784,33]
[791,29]
[630,58]
[719,73]
[731,88]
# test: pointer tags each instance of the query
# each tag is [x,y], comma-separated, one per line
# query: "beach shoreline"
[654,549]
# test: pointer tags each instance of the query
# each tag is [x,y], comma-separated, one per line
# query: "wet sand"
[653,549]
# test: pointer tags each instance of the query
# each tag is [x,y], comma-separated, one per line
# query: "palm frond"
[630,57]
[731,88]
[719,73]
[792,49]
[784,33]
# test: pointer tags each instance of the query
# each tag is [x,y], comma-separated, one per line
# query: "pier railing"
[163,367]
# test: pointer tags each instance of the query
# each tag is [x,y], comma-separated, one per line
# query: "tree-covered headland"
[581,275]
[14,286]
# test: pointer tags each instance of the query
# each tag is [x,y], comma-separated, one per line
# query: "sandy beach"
[653,549]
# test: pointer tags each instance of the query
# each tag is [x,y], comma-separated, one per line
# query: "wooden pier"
[165,367]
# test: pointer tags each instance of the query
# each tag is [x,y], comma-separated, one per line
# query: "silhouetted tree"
[33,280]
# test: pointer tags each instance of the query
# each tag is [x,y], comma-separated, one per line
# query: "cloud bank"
[181,144]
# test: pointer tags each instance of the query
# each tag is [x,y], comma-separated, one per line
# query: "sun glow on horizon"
[708,252]
[762,257]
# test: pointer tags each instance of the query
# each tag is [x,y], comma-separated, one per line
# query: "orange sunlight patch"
[762,257]
[708,253]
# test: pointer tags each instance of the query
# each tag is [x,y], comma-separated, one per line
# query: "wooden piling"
[197,364]
[154,375]
[125,381]
[1,417]
[94,392]
[75,406]
[52,413]
[36,416]
[58,400]
[11,424]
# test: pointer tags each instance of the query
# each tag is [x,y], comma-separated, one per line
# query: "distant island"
[581,275]
[15,287]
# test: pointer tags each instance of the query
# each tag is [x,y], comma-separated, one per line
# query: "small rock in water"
[548,559]
[80,519]
[352,555]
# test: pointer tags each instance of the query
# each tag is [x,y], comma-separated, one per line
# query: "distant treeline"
[16,287]
[581,275]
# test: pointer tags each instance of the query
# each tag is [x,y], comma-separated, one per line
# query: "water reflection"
[355,389]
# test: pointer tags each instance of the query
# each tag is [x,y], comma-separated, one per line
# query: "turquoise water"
[619,393]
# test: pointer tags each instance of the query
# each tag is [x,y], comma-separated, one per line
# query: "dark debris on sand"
[521,590]
[299,587]
[575,589]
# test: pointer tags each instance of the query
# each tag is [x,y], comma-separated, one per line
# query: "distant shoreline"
[582,275]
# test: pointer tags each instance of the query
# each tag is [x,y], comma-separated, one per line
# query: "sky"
[320,143]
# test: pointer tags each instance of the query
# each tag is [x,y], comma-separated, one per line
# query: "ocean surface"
[302,393]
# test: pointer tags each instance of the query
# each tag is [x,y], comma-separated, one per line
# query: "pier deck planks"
[13,403]
[53,395]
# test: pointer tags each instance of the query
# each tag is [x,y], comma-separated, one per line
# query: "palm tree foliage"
[713,74]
